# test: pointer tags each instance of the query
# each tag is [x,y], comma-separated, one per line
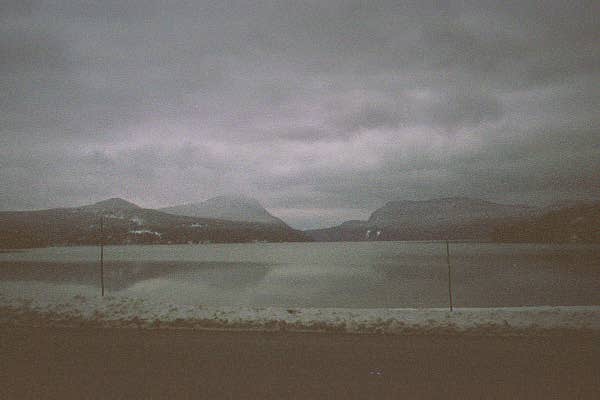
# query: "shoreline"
[124,312]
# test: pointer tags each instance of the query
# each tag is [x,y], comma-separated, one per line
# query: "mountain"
[231,208]
[436,219]
[113,204]
[125,223]
[578,222]
[445,211]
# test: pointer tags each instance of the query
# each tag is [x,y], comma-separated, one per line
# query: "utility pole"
[102,253]
[449,274]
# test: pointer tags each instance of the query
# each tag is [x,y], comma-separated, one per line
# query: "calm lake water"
[356,275]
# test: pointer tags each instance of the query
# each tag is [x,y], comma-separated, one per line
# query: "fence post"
[102,253]
[449,274]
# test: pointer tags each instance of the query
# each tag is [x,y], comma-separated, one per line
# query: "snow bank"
[130,312]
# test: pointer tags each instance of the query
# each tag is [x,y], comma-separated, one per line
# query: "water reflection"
[122,275]
[357,275]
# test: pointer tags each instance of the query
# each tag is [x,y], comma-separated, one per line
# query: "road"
[88,363]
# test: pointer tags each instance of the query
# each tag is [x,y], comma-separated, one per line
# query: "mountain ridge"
[127,223]
[454,218]
[227,207]
[114,203]
[447,210]
[574,223]
[433,219]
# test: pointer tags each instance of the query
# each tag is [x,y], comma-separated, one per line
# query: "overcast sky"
[322,110]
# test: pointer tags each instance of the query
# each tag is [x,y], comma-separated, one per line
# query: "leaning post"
[449,274]
[102,253]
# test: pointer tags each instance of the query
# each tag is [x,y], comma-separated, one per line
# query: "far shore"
[254,242]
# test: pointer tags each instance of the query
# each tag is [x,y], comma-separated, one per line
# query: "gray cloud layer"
[323,110]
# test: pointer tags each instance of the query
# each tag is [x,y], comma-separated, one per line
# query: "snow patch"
[125,311]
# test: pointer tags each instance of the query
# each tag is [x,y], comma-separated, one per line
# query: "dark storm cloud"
[324,110]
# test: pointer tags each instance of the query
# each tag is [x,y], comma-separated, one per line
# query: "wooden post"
[449,274]
[102,253]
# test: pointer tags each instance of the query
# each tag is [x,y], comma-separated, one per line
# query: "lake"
[353,275]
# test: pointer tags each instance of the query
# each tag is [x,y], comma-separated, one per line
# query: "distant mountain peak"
[441,200]
[114,203]
[235,200]
[227,207]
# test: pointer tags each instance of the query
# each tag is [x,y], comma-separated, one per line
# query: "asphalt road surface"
[86,363]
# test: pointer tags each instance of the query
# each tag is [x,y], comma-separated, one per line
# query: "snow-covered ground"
[128,312]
